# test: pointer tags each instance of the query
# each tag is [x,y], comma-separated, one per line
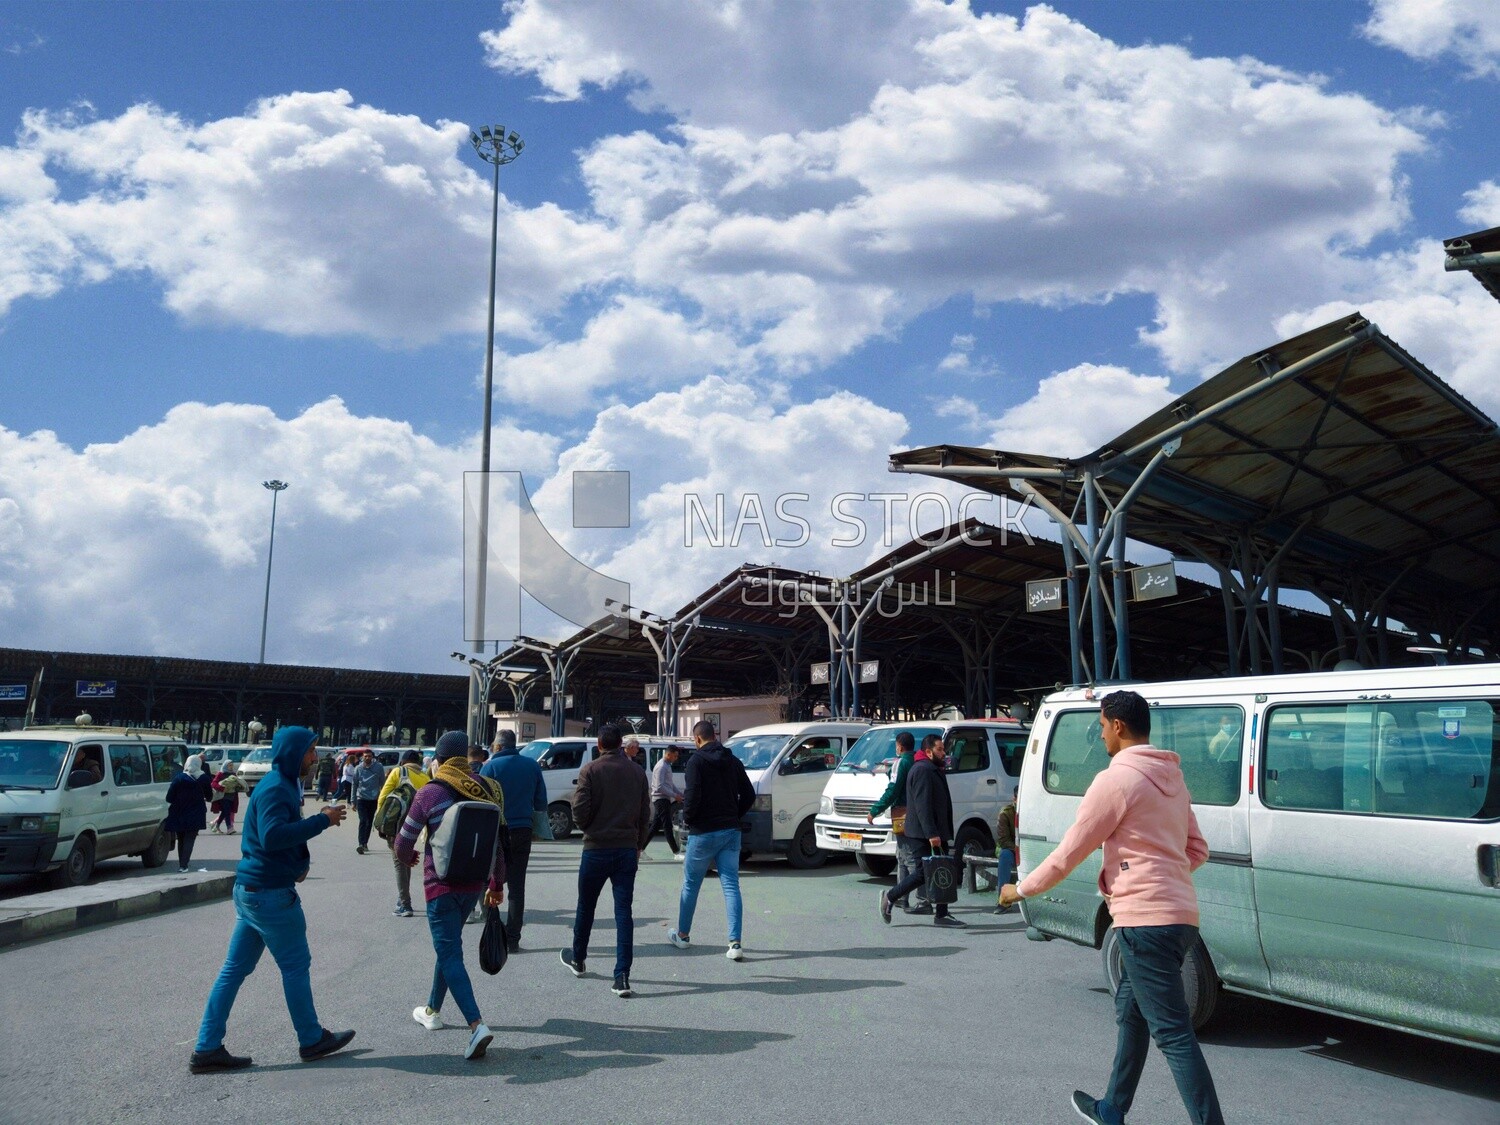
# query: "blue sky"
[748,252]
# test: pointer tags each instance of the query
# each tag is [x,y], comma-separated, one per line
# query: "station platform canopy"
[1479,253]
[1332,462]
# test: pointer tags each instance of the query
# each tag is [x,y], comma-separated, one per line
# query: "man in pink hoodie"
[1138,809]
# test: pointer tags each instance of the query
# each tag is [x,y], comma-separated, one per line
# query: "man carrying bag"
[929,828]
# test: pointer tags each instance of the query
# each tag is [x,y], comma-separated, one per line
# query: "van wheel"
[160,848]
[561,819]
[976,842]
[1200,983]
[79,866]
[879,866]
[804,853]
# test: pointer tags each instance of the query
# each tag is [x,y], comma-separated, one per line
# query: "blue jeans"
[445,918]
[717,849]
[1005,869]
[271,920]
[617,866]
[1150,1004]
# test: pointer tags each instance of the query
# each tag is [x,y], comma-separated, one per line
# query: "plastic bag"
[492,946]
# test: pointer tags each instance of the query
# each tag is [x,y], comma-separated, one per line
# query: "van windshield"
[261,755]
[29,764]
[879,745]
[535,749]
[757,751]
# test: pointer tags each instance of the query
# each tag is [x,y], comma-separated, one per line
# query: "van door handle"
[1488,864]
[991,781]
[104,792]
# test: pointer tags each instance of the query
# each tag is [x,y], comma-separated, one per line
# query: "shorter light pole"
[276,486]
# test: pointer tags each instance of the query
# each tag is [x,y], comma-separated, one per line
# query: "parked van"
[1353,824]
[71,796]
[984,762]
[788,764]
[562,758]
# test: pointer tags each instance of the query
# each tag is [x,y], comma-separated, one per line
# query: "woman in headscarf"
[227,790]
[186,814]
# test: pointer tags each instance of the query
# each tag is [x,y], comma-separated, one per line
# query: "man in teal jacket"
[894,797]
[268,912]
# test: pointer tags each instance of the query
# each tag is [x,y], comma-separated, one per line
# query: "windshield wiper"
[8,785]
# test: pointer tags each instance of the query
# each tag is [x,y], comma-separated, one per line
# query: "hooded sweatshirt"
[273,844]
[1138,809]
[718,792]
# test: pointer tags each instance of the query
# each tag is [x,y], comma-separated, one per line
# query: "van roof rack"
[93,728]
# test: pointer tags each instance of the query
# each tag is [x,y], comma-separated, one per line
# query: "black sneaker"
[1088,1108]
[512,942]
[206,1062]
[621,987]
[920,908]
[332,1041]
[574,967]
[885,908]
[949,920]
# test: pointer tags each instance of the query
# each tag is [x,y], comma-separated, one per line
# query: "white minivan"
[71,796]
[788,764]
[1353,828]
[562,758]
[984,763]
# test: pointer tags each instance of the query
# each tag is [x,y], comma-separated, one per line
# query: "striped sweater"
[427,810]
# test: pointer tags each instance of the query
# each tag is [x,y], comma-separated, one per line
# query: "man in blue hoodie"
[525,794]
[274,859]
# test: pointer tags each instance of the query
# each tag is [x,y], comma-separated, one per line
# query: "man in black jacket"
[929,827]
[718,795]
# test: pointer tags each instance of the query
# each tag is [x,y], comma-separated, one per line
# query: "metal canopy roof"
[1335,443]
[1479,253]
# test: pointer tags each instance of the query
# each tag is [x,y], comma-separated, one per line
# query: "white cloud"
[156,543]
[308,215]
[1482,205]
[1429,29]
[1076,411]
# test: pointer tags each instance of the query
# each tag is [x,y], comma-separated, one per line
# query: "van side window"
[165,762]
[130,764]
[1012,751]
[567,756]
[1392,758]
[1075,753]
[968,751]
[1209,741]
[816,754]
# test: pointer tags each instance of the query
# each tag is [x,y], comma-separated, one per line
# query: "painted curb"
[31,925]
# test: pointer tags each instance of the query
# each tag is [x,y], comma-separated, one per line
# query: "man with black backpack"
[464,818]
[390,814]
[929,826]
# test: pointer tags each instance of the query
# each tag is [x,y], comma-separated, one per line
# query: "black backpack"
[464,845]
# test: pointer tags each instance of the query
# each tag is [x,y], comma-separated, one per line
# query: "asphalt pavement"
[832,1016]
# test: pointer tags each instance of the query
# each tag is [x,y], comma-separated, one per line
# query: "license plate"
[851,841]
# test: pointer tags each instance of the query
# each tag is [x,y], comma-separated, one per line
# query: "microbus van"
[788,764]
[984,761]
[1353,823]
[562,758]
[71,796]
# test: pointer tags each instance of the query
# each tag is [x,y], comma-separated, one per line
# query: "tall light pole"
[495,147]
[276,486]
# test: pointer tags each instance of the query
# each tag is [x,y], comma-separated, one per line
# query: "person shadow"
[581,1047]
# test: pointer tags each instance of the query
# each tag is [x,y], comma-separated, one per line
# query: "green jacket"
[895,792]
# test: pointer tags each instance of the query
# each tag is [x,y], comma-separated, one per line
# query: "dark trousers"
[921,849]
[325,786]
[1150,1004]
[516,860]
[617,866]
[909,854]
[185,842]
[366,819]
[661,821]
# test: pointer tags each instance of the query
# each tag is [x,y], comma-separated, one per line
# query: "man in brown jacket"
[612,805]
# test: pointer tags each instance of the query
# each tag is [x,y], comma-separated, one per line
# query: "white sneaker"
[735,953]
[677,939]
[428,1018]
[478,1042]
[680,857]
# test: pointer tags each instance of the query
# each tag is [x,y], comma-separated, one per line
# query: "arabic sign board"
[684,689]
[547,702]
[653,691]
[95,689]
[1044,594]
[869,671]
[819,674]
[12,693]
[1152,582]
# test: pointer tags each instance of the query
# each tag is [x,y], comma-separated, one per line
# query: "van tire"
[878,866]
[1200,983]
[561,818]
[976,841]
[804,853]
[78,868]
[161,847]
